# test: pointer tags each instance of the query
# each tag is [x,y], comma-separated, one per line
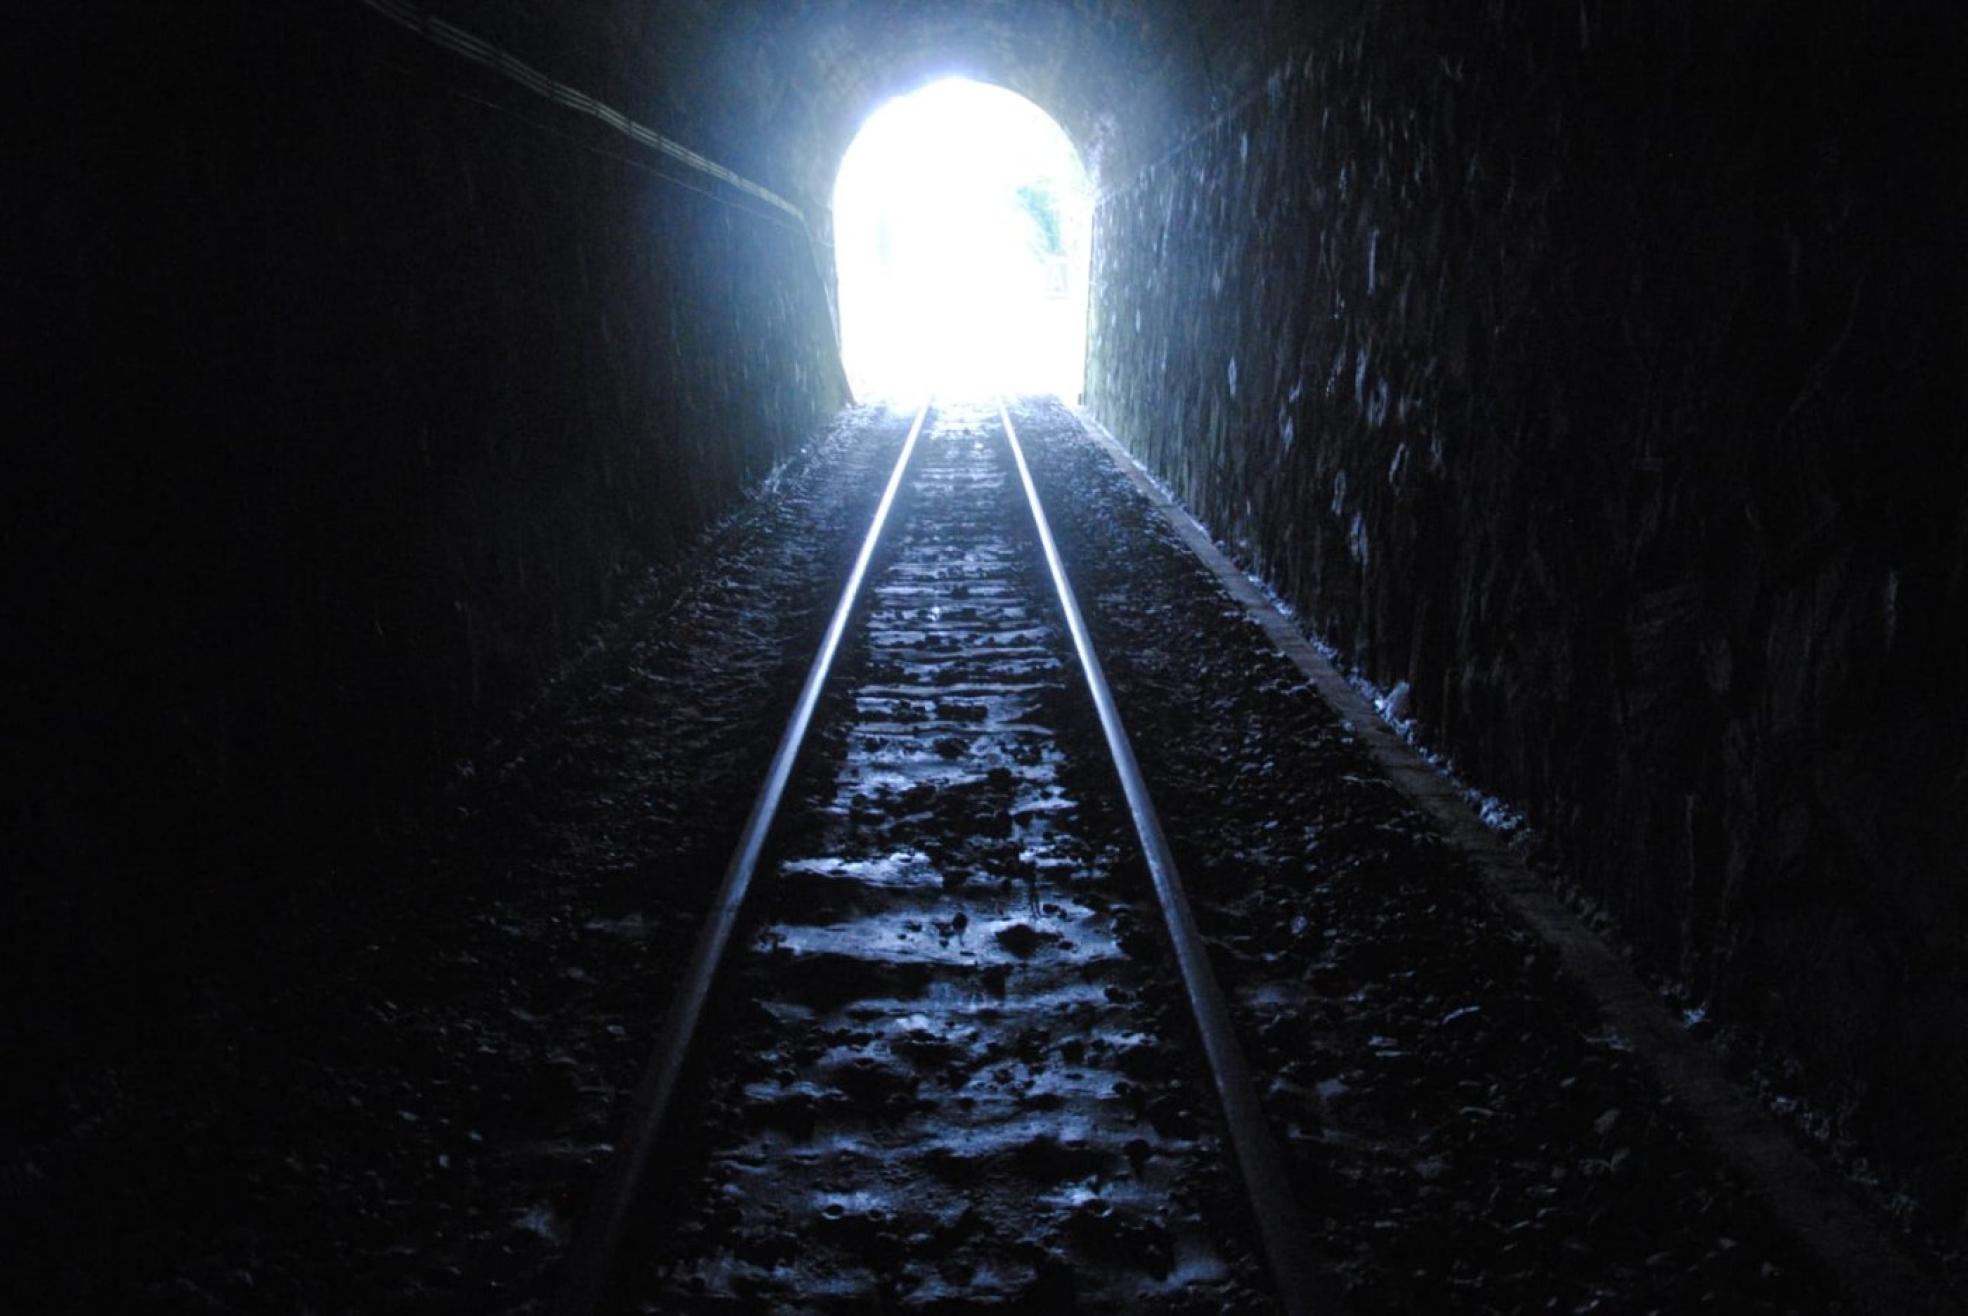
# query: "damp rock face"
[1615,413]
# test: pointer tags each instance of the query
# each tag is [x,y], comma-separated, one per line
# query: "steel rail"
[590,1264]
[1280,1227]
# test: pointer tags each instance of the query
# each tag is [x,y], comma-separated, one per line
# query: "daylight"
[961,228]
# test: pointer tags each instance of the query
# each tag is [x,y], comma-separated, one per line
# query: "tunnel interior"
[1588,379]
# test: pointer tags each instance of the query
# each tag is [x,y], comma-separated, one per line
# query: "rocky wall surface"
[1591,377]
[359,384]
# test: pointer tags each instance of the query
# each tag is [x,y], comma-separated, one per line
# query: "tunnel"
[429,475]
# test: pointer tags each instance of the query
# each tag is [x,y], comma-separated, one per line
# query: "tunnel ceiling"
[777,88]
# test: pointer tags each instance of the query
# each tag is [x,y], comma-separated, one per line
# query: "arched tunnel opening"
[1504,463]
[961,239]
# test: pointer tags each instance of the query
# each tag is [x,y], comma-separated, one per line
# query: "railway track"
[961,1045]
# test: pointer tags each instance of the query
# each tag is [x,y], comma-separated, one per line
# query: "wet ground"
[957,1072]
[951,1071]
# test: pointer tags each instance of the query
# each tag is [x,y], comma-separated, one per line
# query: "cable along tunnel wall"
[1600,416]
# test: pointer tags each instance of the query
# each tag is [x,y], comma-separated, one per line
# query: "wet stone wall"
[360,384]
[1590,377]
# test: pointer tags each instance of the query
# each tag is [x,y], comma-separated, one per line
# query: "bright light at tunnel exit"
[962,229]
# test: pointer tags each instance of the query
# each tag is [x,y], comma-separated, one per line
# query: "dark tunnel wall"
[1596,371]
[361,384]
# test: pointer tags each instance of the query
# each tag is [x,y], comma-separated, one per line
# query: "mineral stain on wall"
[1580,367]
